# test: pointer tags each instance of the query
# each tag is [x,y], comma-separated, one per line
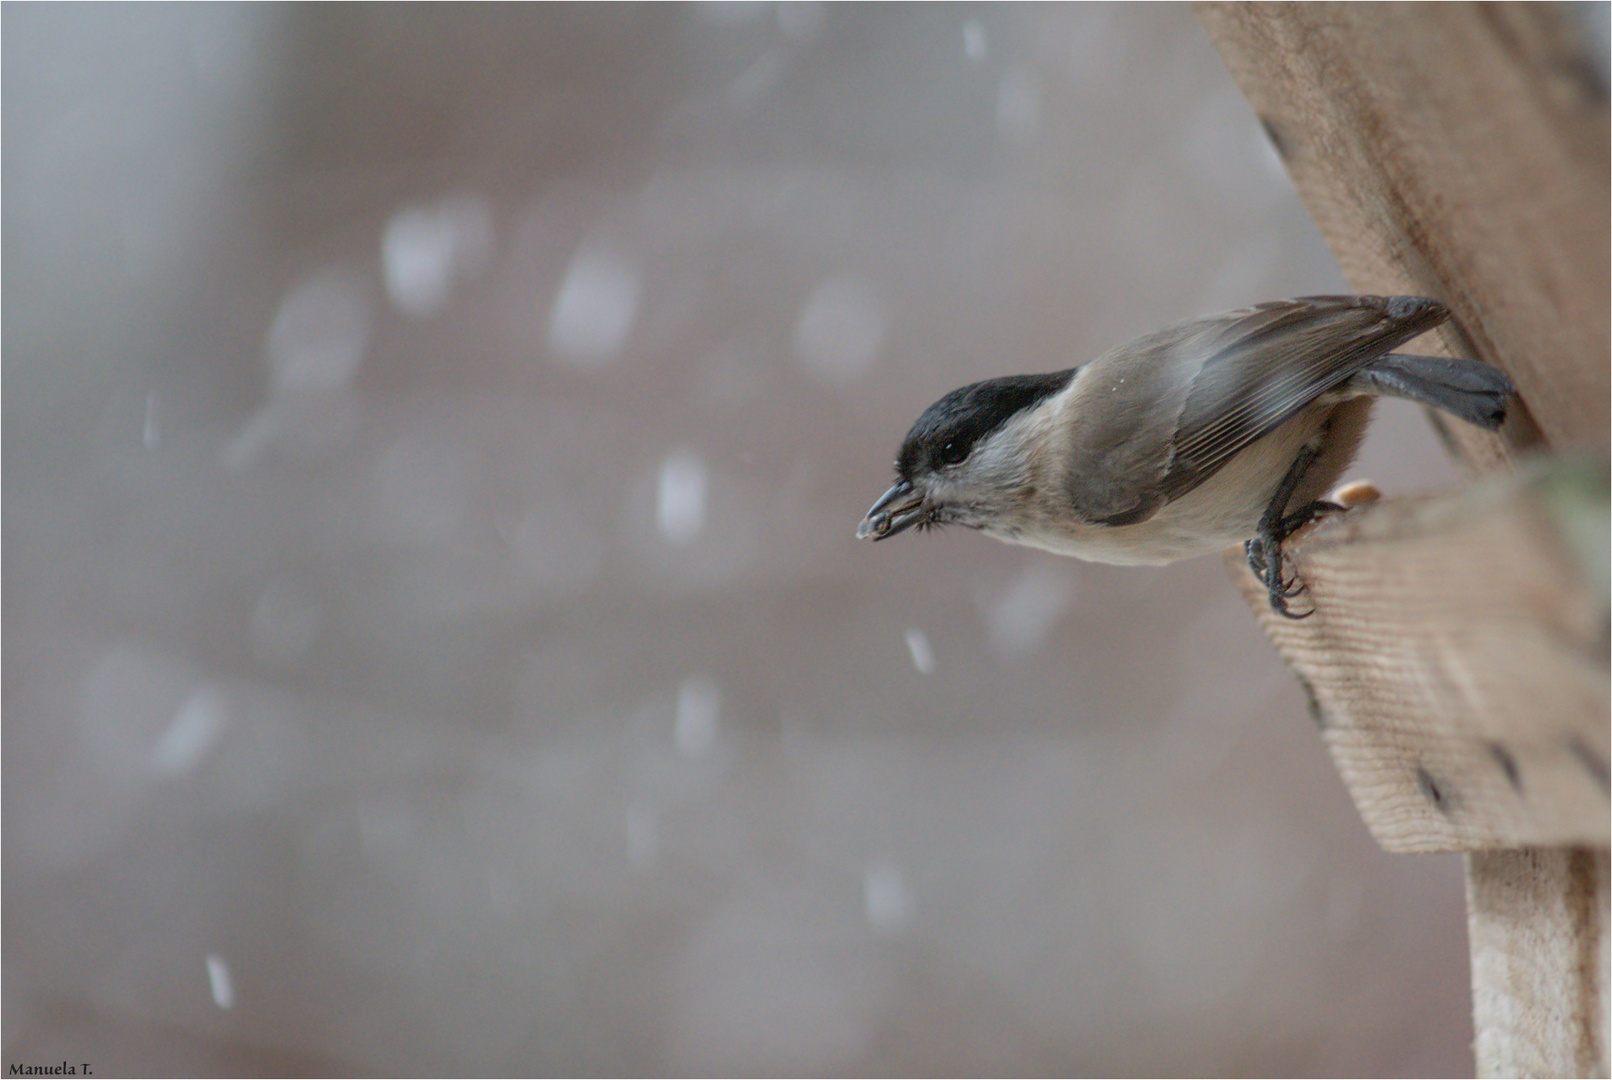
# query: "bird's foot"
[1265,556]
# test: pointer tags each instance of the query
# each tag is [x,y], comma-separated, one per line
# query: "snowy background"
[435,641]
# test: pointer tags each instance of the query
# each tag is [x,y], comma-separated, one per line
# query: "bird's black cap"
[949,428]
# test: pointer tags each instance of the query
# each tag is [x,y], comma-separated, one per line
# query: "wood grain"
[1456,151]
[1457,658]
[1537,921]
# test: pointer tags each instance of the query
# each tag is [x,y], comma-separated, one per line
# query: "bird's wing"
[1230,379]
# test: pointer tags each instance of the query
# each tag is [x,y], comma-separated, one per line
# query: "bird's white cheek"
[1001,473]
[950,499]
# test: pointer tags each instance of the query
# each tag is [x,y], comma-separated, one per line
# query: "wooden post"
[1458,654]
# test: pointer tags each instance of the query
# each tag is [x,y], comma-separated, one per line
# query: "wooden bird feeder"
[1457,656]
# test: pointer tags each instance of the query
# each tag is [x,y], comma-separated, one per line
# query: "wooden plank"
[1457,659]
[1456,151]
[1537,920]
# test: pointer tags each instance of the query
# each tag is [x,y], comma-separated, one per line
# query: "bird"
[1221,430]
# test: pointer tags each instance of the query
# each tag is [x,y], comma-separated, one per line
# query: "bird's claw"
[1265,557]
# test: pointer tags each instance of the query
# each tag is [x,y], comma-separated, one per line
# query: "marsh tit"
[1221,430]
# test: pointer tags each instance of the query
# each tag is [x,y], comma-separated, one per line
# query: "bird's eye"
[953,450]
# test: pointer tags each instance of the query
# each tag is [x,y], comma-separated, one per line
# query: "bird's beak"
[898,509]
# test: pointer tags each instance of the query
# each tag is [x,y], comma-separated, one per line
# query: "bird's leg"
[1264,550]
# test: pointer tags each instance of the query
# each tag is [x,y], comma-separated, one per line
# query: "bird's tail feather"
[1466,389]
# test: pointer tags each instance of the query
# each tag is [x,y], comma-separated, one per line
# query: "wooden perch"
[1457,660]
[1457,664]
[1458,654]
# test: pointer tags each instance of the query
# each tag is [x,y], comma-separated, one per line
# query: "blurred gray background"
[435,641]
